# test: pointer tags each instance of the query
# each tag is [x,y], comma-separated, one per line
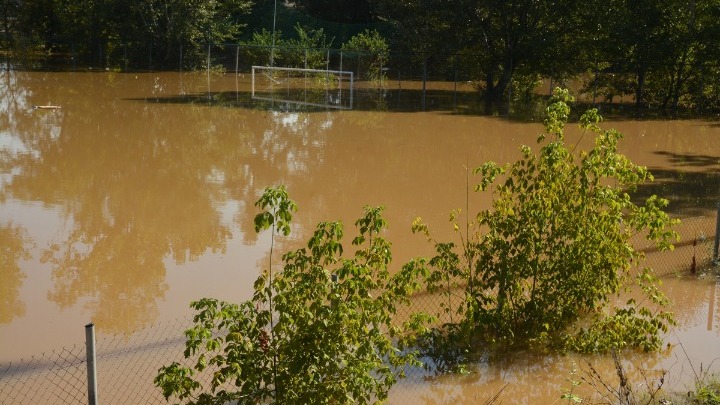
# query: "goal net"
[310,87]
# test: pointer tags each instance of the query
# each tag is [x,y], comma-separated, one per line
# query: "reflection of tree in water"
[12,250]
[14,98]
[136,192]
[289,147]
[689,297]
[140,182]
[522,377]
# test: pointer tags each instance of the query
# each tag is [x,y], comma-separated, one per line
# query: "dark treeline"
[163,27]
[659,53]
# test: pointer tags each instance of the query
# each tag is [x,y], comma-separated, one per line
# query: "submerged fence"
[218,57]
[125,365]
[598,84]
[124,369]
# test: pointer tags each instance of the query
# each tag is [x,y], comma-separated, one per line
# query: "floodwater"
[137,195]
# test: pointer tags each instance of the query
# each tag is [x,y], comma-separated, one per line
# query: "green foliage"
[160,28]
[347,11]
[707,392]
[568,394]
[281,210]
[660,53]
[191,24]
[259,51]
[319,332]
[554,251]
[308,49]
[373,51]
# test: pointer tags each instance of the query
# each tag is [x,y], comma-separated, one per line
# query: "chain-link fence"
[128,363]
[406,81]
[694,251]
[57,377]
[418,81]
[126,366]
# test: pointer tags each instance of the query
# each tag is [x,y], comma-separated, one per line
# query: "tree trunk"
[489,88]
[639,89]
[504,82]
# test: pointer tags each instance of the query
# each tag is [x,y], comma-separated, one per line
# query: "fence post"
[717,236]
[91,372]
[237,60]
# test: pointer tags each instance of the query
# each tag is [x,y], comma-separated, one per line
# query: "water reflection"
[154,174]
[13,249]
[532,378]
[139,184]
[120,181]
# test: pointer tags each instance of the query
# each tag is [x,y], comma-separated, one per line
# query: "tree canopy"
[659,53]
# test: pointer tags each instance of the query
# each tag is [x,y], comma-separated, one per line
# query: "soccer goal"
[310,87]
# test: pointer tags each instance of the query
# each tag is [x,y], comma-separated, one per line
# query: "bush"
[373,53]
[547,261]
[319,332]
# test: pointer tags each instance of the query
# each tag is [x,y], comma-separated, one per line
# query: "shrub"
[546,262]
[373,53]
[318,332]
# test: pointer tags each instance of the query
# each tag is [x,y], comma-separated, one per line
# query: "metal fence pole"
[237,60]
[717,236]
[91,371]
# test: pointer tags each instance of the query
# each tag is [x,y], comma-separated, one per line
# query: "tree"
[318,332]
[424,28]
[9,11]
[343,11]
[491,40]
[653,41]
[308,49]
[555,248]
[374,53]
[188,24]
[162,26]
[517,36]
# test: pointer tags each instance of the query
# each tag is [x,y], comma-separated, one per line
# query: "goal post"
[311,87]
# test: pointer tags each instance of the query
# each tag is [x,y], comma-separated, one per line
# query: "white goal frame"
[340,73]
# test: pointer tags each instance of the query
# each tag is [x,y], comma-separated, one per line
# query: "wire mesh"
[56,377]
[128,363]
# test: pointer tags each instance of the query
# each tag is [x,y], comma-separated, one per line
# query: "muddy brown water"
[136,197]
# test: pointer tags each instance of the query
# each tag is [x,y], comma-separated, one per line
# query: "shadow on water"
[411,100]
[691,184]
[385,100]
